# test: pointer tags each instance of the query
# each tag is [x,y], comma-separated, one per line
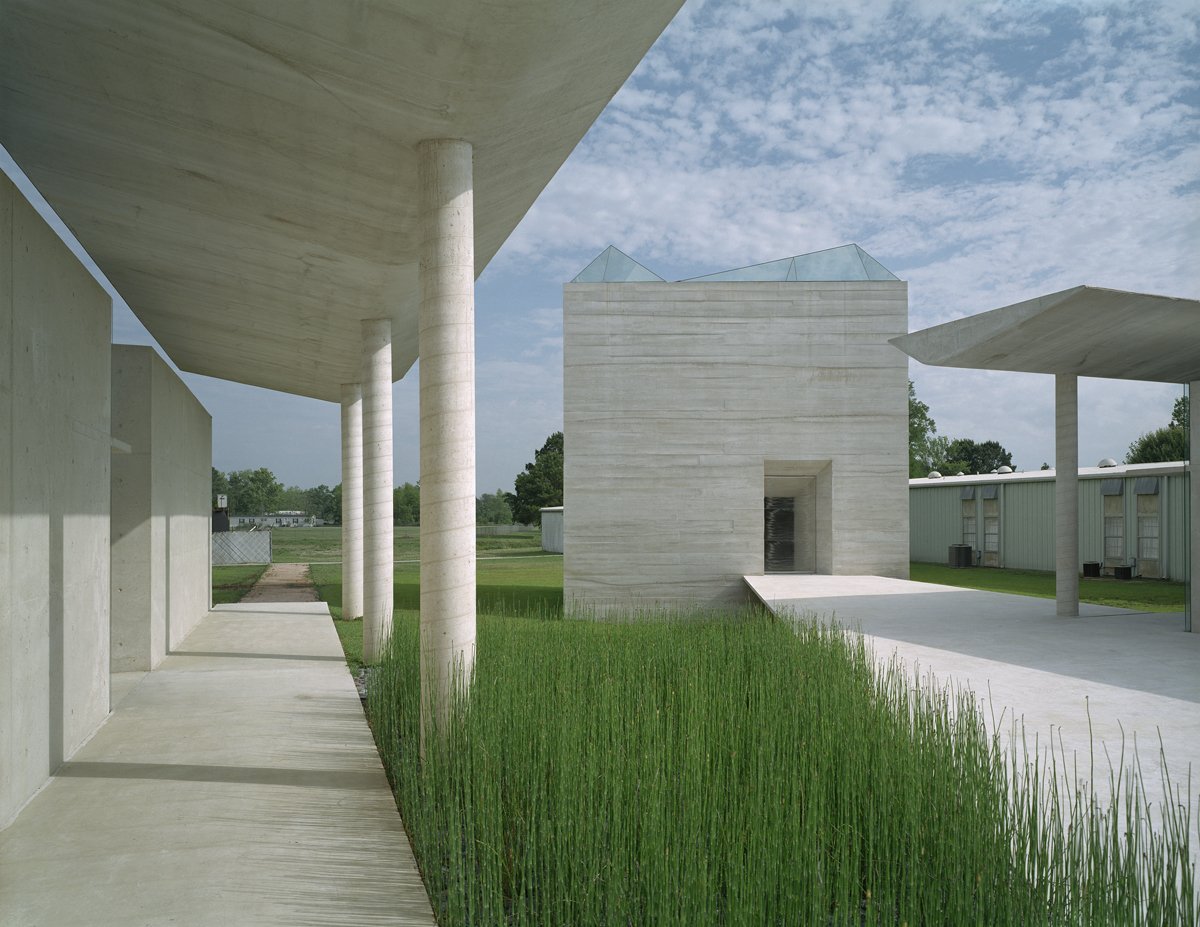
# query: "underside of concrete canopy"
[246,173]
[1084,331]
[1081,332]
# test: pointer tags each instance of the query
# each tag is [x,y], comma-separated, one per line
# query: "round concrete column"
[447,350]
[377,486]
[352,509]
[1066,495]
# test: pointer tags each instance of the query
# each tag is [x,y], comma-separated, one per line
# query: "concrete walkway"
[237,784]
[283,582]
[1116,674]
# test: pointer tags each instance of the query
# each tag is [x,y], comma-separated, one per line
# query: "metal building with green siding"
[1129,516]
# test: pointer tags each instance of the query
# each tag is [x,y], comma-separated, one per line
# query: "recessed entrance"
[790,524]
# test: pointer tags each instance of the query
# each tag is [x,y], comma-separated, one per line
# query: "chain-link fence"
[229,547]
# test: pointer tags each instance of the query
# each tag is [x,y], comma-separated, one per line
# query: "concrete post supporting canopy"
[447,388]
[352,501]
[1066,495]
[377,486]
[1083,331]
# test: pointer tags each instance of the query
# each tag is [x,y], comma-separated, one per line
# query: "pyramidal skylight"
[848,262]
[613,266]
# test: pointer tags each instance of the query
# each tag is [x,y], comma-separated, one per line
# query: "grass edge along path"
[511,585]
[231,583]
[1147,595]
[733,770]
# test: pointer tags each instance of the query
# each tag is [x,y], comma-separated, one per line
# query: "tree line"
[1167,443]
[258,492]
[929,451]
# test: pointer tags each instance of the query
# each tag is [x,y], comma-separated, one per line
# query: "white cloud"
[987,153]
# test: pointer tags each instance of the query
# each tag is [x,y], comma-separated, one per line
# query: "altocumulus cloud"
[986,153]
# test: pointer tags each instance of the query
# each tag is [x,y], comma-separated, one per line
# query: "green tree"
[924,447]
[220,485]
[293,499]
[254,492]
[929,451]
[406,504]
[1181,415]
[975,457]
[1164,444]
[325,503]
[493,509]
[541,483]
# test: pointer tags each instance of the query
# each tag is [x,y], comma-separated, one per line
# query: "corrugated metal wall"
[1027,522]
[1027,535]
[935,522]
[552,530]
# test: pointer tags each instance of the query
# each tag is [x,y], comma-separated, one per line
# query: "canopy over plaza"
[1081,332]
[300,195]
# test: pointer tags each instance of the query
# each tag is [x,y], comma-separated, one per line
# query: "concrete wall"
[161,509]
[680,399]
[1027,517]
[55,329]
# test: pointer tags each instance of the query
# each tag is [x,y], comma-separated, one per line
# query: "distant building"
[289,519]
[1133,516]
[749,421]
[552,529]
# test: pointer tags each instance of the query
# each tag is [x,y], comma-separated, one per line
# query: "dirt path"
[283,582]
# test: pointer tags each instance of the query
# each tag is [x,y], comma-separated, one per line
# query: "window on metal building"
[991,525]
[1114,528]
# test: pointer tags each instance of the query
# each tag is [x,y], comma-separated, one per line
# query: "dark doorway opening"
[779,533]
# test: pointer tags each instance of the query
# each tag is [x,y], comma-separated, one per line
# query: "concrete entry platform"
[236,784]
[1136,674]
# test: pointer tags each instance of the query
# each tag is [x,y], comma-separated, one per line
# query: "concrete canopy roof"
[245,172]
[1084,331]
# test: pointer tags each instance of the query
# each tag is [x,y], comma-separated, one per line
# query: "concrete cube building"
[739,423]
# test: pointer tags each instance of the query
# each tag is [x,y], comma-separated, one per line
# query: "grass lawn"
[1148,595]
[315,545]
[230,583]
[529,585]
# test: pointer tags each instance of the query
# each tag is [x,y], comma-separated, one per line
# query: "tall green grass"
[743,772]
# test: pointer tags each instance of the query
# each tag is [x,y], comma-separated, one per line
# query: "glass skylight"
[613,266]
[848,262]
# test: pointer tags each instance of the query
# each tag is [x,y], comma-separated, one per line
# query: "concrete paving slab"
[237,784]
[1104,680]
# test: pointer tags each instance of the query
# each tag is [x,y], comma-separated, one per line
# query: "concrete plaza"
[236,784]
[1105,679]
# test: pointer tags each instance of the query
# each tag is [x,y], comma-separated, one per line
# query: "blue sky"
[984,152]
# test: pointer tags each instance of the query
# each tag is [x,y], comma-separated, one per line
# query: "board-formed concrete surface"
[1125,674]
[238,784]
[55,446]
[161,511]
[258,194]
[684,402]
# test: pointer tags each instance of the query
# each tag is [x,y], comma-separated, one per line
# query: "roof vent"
[1005,469]
[1107,462]
[934,475]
